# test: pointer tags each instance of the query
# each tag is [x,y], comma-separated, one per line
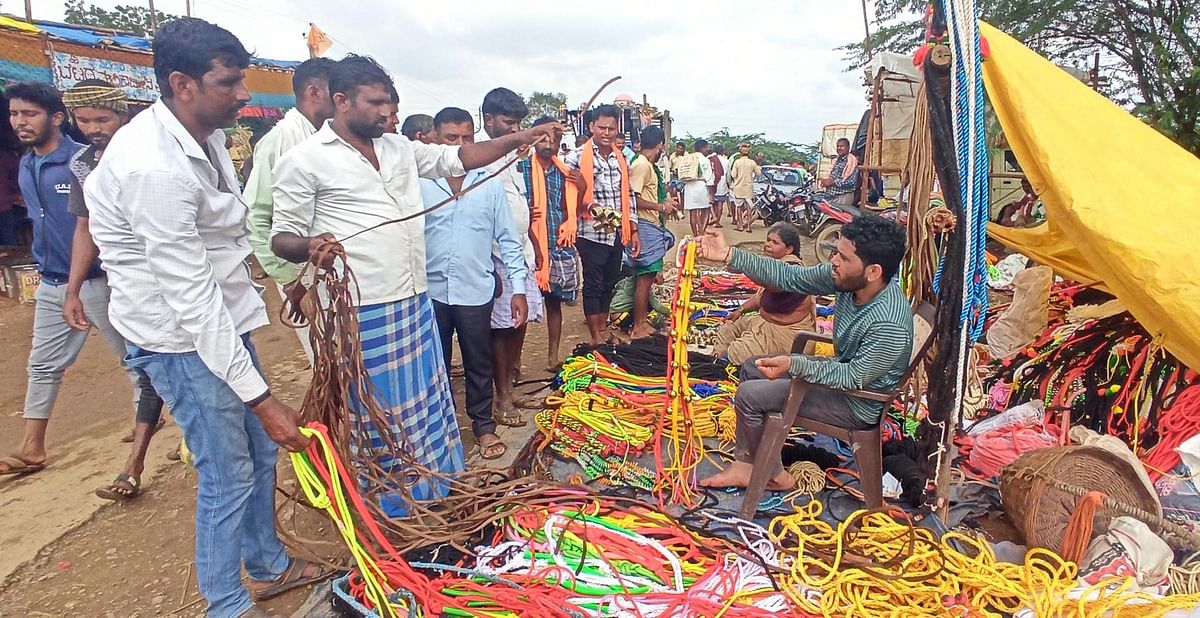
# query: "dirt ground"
[66,552]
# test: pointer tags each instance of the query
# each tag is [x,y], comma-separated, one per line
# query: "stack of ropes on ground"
[575,554]
[678,446]
[873,564]
[1108,375]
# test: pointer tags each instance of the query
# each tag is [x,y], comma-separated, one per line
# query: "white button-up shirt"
[326,185]
[171,229]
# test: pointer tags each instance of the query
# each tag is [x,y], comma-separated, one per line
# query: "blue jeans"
[235,460]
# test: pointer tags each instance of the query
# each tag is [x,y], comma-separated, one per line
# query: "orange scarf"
[587,168]
[541,202]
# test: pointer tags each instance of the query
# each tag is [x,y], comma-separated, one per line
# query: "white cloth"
[171,229]
[325,185]
[695,192]
[518,204]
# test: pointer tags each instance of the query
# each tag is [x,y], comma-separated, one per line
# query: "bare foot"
[736,475]
[641,331]
[782,482]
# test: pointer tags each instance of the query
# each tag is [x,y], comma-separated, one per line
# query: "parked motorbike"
[830,220]
[770,205]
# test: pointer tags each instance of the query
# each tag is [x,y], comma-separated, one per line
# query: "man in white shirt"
[503,110]
[699,189]
[720,165]
[170,226]
[351,176]
[310,82]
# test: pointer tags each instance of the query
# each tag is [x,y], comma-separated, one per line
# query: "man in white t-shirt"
[699,192]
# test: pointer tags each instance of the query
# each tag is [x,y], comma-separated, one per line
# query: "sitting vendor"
[872,339]
[780,314]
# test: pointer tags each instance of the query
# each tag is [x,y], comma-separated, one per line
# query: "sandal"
[15,465]
[125,487]
[509,418]
[293,577]
[491,449]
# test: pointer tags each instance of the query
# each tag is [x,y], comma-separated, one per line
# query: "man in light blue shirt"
[462,279]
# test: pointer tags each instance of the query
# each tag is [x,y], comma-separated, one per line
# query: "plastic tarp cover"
[1120,197]
[900,82]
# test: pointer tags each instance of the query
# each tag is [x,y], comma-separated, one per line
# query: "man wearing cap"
[100,109]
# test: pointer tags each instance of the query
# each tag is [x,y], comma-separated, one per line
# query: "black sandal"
[125,487]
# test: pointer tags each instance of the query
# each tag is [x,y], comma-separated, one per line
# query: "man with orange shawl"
[608,223]
[554,209]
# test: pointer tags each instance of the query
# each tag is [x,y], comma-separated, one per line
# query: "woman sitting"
[780,314]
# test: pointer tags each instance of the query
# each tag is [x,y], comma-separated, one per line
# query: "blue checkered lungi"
[403,357]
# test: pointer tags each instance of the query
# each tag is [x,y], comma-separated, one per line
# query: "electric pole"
[153,18]
[29,11]
[189,7]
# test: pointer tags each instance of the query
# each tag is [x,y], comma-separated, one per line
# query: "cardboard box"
[22,282]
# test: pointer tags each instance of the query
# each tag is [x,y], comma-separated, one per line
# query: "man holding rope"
[342,184]
[171,228]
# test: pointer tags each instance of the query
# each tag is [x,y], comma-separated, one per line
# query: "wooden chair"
[866,444]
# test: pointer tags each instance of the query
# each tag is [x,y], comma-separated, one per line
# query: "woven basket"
[1041,512]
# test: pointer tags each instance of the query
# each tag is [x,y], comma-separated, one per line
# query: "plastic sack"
[1026,414]
[1026,317]
[1128,549]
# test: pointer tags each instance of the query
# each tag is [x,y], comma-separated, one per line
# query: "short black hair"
[543,120]
[191,46]
[877,241]
[452,115]
[651,137]
[416,123]
[607,111]
[700,143]
[842,139]
[309,71]
[789,234]
[40,94]
[719,149]
[354,71]
[504,102]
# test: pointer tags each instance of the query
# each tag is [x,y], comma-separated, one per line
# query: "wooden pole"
[153,18]
[867,28]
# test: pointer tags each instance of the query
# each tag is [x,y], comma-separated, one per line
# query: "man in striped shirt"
[872,339]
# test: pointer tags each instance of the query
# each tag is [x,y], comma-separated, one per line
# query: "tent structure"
[63,54]
[1120,197]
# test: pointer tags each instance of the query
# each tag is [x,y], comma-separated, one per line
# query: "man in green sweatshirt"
[872,339]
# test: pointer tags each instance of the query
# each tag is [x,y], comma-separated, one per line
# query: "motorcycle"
[830,220]
[770,205]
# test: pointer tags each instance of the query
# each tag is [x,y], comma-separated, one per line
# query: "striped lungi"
[403,357]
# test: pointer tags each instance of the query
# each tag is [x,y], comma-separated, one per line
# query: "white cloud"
[768,67]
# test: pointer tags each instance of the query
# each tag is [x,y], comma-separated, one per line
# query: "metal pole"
[189,7]
[29,11]
[153,18]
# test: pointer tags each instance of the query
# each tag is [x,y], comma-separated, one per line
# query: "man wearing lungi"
[351,176]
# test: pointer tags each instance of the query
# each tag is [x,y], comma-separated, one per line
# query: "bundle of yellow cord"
[680,456]
[873,565]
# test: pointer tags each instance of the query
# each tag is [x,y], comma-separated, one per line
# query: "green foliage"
[772,151]
[134,19]
[545,104]
[1149,51]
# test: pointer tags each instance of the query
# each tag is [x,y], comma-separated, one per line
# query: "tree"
[772,151]
[1149,50]
[545,104]
[134,19]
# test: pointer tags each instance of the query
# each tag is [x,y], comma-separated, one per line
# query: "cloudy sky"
[771,68]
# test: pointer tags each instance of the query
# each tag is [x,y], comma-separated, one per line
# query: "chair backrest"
[923,319]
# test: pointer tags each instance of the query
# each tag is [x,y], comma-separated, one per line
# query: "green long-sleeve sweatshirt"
[872,342]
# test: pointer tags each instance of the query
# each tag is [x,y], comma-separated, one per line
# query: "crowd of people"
[143,234]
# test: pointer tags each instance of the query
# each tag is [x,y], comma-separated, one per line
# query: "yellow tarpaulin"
[8,22]
[1121,199]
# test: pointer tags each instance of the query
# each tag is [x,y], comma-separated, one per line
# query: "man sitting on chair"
[872,339]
